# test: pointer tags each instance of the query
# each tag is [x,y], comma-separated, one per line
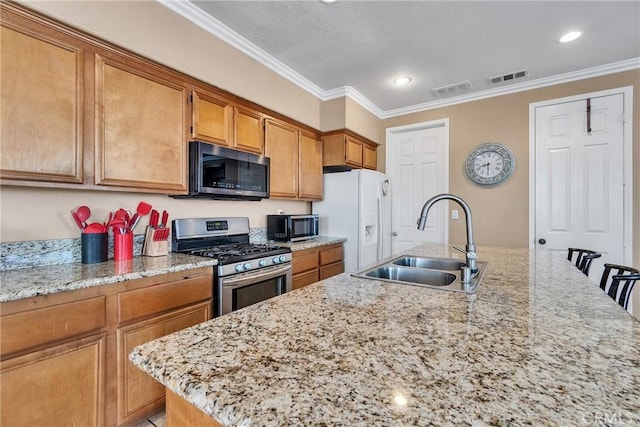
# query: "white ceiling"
[357,48]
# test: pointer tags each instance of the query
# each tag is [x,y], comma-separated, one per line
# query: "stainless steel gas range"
[247,273]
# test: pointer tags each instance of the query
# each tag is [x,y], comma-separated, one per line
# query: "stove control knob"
[247,266]
[276,260]
[282,258]
[239,267]
[262,262]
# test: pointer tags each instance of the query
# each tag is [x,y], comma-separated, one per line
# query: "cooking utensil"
[153,221]
[77,220]
[165,218]
[83,213]
[142,210]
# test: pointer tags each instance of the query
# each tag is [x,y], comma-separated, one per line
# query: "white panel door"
[579,178]
[417,167]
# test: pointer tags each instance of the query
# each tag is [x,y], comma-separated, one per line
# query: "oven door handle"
[253,278]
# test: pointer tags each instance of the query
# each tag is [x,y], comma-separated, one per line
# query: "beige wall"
[42,214]
[363,122]
[501,214]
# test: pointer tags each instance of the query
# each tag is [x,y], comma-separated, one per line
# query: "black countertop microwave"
[292,228]
[217,172]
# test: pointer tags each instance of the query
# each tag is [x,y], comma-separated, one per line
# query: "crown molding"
[194,14]
[615,67]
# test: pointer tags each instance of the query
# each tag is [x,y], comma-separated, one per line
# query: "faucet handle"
[459,249]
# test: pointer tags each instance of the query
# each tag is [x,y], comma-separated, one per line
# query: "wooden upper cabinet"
[310,167]
[369,156]
[41,105]
[212,118]
[140,127]
[353,152]
[281,141]
[248,130]
[344,151]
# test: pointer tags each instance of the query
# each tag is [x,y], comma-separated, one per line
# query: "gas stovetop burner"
[240,252]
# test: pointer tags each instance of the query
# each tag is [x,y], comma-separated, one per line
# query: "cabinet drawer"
[331,255]
[331,270]
[46,325]
[144,302]
[303,279]
[304,262]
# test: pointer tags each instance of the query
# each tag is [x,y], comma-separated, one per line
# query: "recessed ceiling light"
[570,36]
[401,81]
[328,1]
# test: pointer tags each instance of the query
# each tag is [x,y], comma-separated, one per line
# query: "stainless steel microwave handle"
[266,274]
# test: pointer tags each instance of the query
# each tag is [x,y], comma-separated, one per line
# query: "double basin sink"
[436,273]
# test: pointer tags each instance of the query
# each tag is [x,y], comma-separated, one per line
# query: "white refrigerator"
[357,205]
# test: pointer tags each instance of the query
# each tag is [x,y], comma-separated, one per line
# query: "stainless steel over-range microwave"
[223,173]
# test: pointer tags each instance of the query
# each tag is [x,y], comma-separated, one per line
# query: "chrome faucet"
[470,249]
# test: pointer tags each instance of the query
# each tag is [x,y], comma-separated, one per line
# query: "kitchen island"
[538,344]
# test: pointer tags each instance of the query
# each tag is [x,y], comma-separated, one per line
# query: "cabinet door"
[212,119]
[41,107]
[140,128]
[248,131]
[57,386]
[353,152]
[139,393]
[282,148]
[370,157]
[310,167]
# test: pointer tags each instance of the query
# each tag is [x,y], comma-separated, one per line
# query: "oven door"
[241,290]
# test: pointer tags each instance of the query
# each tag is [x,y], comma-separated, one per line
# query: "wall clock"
[490,164]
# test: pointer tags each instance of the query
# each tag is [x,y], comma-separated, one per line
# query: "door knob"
[394,233]
[542,241]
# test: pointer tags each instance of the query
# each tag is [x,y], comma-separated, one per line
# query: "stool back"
[621,283]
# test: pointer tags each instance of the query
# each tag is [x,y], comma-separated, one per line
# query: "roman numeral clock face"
[490,164]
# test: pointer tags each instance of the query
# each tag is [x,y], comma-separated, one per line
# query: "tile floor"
[156,420]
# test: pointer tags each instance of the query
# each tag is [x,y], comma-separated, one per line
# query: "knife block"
[154,247]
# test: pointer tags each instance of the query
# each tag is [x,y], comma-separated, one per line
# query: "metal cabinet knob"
[542,241]
[394,233]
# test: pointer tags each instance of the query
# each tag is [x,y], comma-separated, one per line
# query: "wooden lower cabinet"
[138,393]
[65,356]
[314,264]
[57,386]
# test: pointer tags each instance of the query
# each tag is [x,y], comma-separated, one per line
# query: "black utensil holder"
[94,247]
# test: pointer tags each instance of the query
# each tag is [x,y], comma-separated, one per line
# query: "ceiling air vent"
[509,77]
[452,89]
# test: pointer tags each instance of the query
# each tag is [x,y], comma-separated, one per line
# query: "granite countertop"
[311,243]
[36,281]
[43,280]
[538,344]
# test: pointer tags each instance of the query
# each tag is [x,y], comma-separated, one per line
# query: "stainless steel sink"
[432,263]
[435,273]
[413,275]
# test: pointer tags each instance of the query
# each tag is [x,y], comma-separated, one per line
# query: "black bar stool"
[583,258]
[622,282]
